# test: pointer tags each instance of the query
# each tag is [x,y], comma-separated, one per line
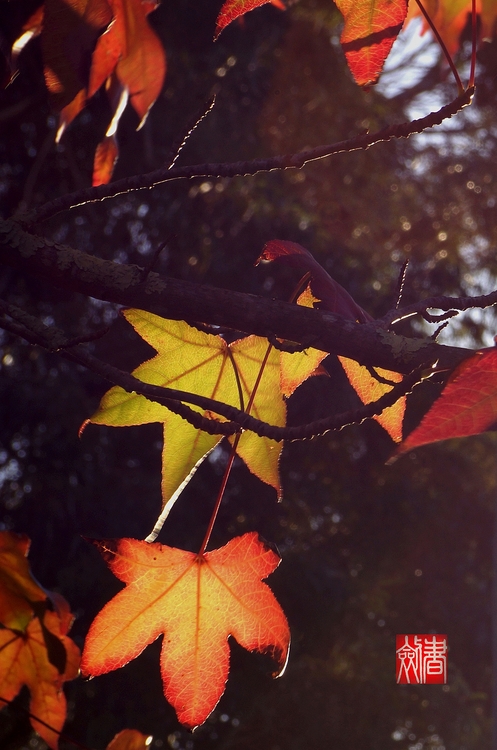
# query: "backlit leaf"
[450,17]
[105,158]
[18,589]
[32,28]
[467,405]
[24,660]
[70,30]
[371,27]
[197,362]
[130,739]
[133,50]
[70,112]
[233,9]
[369,389]
[197,602]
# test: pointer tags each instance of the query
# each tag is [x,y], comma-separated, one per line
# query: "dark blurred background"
[368,550]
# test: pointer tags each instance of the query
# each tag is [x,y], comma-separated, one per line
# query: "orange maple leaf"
[450,18]
[19,591]
[34,647]
[25,660]
[197,601]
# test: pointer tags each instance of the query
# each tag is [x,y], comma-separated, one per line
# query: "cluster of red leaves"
[34,647]
[87,44]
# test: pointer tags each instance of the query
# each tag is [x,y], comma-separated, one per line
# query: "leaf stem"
[237,437]
[459,83]
[220,494]
[474,32]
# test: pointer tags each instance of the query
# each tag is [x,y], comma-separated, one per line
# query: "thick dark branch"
[36,332]
[370,344]
[242,168]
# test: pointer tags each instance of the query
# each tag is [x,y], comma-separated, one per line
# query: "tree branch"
[242,168]
[369,343]
[38,333]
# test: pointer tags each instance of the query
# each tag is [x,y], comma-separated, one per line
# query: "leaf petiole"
[234,446]
[459,83]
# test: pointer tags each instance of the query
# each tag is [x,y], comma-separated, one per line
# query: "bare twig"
[153,260]
[448,304]
[178,147]
[291,161]
[443,47]
[401,282]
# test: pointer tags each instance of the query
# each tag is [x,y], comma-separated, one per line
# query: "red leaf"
[34,648]
[197,601]
[18,589]
[105,158]
[467,406]
[371,27]
[333,296]
[31,29]
[129,739]
[70,111]
[233,9]
[70,30]
[131,48]
[24,660]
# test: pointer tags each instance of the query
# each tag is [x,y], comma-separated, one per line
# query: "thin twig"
[148,268]
[448,304]
[439,330]
[401,282]
[443,47]
[242,168]
[379,377]
[172,399]
[178,147]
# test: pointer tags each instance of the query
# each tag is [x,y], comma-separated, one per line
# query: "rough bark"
[370,344]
